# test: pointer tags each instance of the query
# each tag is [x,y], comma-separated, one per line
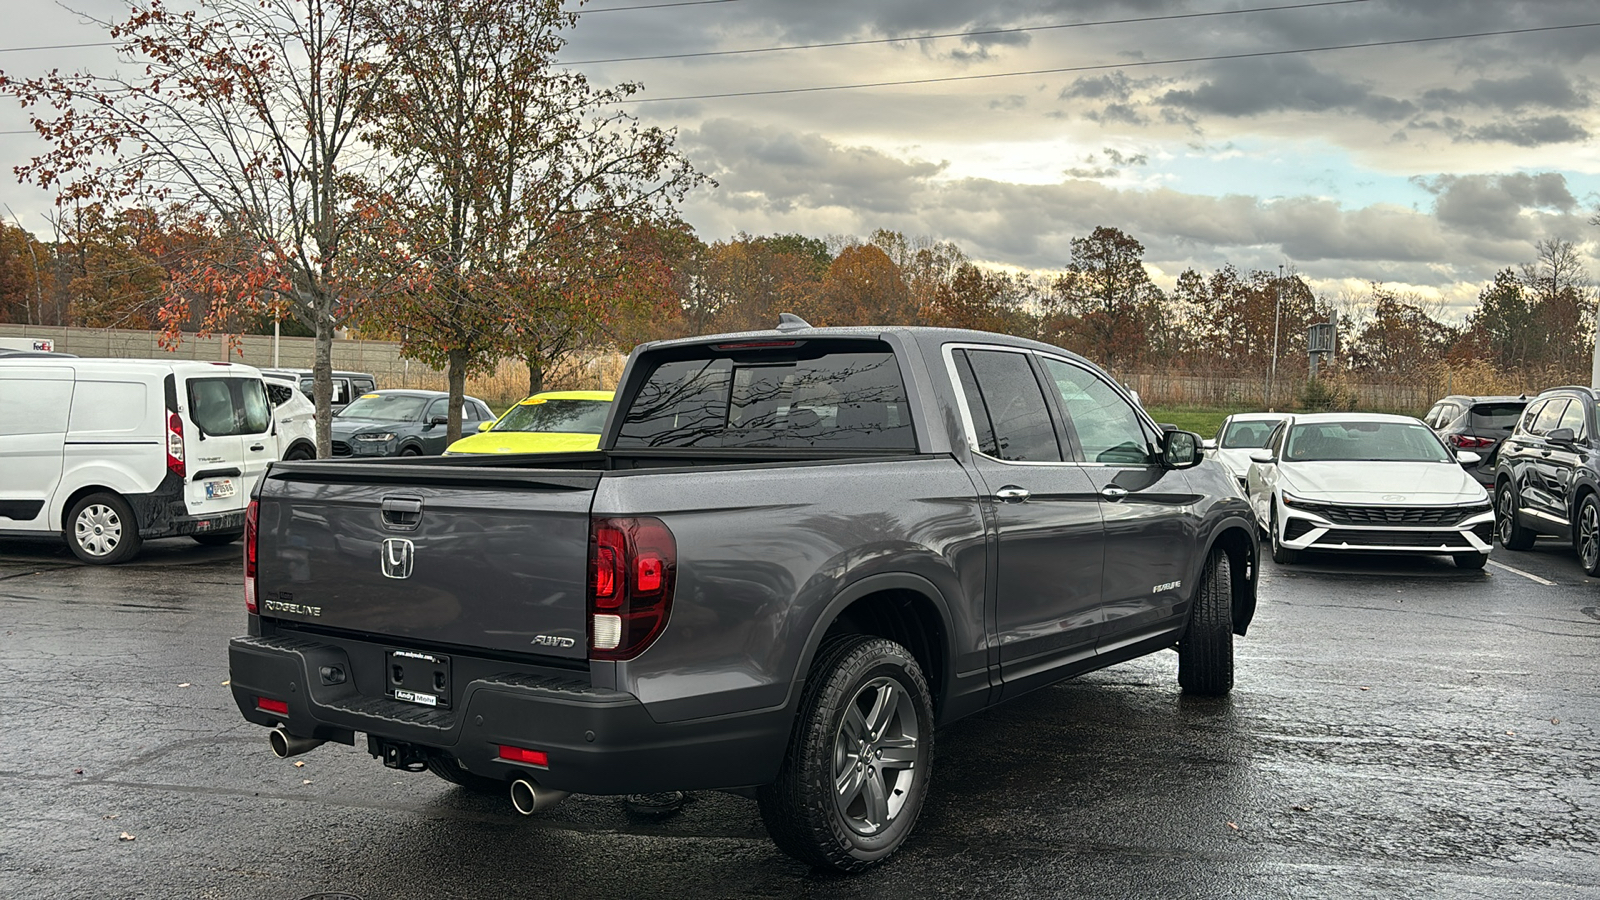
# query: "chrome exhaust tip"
[529,797]
[285,745]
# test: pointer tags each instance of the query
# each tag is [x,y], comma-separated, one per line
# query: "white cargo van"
[108,452]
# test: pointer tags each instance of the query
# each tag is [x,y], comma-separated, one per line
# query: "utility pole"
[1277,319]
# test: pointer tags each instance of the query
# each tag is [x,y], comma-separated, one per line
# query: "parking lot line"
[1528,575]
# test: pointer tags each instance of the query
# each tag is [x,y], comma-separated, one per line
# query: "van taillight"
[252,515]
[633,565]
[175,444]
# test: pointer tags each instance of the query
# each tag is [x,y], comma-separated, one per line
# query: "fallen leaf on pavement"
[1234,826]
[1511,732]
[77,771]
[124,836]
[185,684]
[1555,721]
[112,816]
[307,781]
[228,682]
[1301,808]
[299,764]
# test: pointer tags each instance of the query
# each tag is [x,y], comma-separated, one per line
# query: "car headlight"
[1294,502]
[1481,506]
[376,436]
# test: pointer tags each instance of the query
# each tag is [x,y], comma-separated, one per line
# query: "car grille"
[340,448]
[1393,538]
[1393,515]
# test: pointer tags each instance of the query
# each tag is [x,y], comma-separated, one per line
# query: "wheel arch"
[1244,552]
[87,490]
[298,445]
[905,608]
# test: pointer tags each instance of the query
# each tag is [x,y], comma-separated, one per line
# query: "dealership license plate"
[421,678]
[216,490]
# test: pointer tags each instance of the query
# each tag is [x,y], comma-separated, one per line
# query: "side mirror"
[485,425]
[1208,444]
[439,420]
[1182,450]
[1263,456]
[1468,458]
[1564,437]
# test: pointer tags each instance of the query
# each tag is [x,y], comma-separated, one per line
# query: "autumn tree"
[863,286]
[243,114]
[25,272]
[745,283]
[1105,305]
[516,185]
[1399,335]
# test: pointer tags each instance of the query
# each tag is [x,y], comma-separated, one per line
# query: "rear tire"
[1470,560]
[1283,556]
[410,451]
[865,721]
[1205,655]
[297,454]
[102,530]
[1507,529]
[451,771]
[219,539]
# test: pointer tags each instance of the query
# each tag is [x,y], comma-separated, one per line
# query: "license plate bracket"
[413,676]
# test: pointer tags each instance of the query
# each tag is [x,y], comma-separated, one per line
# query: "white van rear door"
[214,444]
[260,445]
[34,401]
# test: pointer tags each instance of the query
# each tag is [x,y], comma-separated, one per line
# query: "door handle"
[258,447]
[1113,492]
[1013,494]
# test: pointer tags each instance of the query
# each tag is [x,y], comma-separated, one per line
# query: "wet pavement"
[1399,728]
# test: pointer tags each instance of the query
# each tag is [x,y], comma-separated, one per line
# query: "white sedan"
[1367,483]
[1241,435]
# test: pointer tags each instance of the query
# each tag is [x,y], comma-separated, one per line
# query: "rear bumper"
[598,741]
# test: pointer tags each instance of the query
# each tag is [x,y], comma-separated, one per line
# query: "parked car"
[1477,424]
[294,418]
[1240,435]
[1548,476]
[547,422]
[1360,482]
[795,553]
[401,423]
[105,453]
[346,385]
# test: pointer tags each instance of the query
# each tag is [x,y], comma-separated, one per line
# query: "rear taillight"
[175,444]
[633,564]
[281,707]
[1468,442]
[524,755]
[252,515]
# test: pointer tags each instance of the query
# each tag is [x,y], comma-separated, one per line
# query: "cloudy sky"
[1425,165]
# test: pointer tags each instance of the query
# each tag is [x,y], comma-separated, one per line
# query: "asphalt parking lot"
[1400,727]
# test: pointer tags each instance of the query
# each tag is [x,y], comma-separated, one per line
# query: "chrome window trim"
[971,433]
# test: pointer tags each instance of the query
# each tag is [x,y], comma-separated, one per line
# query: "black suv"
[1478,424]
[1549,476]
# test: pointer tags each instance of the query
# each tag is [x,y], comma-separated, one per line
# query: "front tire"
[857,767]
[1586,536]
[102,530]
[1283,556]
[1205,655]
[1507,529]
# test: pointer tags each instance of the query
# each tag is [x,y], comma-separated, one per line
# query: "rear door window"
[1573,418]
[1548,417]
[1019,417]
[825,395]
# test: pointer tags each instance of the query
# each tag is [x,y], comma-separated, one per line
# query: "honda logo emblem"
[397,556]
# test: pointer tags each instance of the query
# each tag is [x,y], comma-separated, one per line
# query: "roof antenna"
[791,322]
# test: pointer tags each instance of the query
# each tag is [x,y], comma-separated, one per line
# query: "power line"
[655,6]
[965,34]
[1123,65]
[60,46]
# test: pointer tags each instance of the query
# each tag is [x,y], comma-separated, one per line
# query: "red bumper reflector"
[281,707]
[523,755]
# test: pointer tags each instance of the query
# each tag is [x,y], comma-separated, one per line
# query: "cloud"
[1494,205]
[1241,89]
[1543,87]
[1528,132]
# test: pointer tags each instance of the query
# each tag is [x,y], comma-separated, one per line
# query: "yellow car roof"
[606,396]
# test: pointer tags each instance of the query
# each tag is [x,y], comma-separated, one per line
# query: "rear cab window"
[222,407]
[828,394]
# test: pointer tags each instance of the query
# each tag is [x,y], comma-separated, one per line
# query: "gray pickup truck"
[795,555]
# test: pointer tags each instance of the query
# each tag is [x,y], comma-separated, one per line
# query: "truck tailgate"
[490,559]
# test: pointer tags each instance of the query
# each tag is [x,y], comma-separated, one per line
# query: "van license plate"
[216,490]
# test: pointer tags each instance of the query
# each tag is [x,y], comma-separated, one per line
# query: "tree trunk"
[458,360]
[322,374]
[535,375]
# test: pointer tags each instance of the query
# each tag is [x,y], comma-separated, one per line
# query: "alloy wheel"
[874,753]
[1589,536]
[98,529]
[1503,521]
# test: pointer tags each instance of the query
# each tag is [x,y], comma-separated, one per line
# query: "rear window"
[825,395]
[228,406]
[1495,416]
[1247,435]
